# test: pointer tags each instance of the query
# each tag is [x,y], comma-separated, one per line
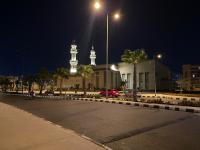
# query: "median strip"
[138,104]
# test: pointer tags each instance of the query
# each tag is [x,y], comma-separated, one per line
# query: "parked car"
[111,93]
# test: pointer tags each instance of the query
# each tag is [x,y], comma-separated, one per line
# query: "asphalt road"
[120,127]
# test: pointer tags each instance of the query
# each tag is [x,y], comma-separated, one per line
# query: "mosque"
[149,74]
[96,80]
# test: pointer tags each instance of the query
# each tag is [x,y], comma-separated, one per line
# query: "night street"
[118,126]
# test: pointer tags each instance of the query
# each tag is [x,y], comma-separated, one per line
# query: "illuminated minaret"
[73,61]
[92,56]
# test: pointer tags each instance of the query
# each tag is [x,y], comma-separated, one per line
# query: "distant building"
[96,81]
[177,81]
[191,77]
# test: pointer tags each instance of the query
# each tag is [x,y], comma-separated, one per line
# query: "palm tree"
[134,57]
[61,73]
[85,71]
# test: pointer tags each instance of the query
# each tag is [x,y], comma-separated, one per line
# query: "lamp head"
[97,5]
[116,16]
[159,56]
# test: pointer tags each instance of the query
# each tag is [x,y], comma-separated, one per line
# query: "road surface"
[120,127]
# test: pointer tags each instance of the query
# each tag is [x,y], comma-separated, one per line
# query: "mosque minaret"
[92,57]
[73,62]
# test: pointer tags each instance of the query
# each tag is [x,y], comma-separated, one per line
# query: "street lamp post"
[97,6]
[107,47]
[158,56]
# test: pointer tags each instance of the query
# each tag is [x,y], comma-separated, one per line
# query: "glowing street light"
[97,5]
[158,56]
[114,68]
[117,16]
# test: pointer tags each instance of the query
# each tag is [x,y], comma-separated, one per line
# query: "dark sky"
[38,33]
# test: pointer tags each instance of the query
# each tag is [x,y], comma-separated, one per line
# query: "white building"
[146,73]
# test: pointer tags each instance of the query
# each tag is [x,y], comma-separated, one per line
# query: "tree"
[123,86]
[42,78]
[85,71]
[29,80]
[53,81]
[134,57]
[5,83]
[61,73]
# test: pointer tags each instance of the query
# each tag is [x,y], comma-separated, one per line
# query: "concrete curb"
[150,105]
[139,104]
[171,97]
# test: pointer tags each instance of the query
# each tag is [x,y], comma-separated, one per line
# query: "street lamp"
[116,16]
[158,56]
[97,5]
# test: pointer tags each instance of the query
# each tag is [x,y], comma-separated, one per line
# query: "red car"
[111,93]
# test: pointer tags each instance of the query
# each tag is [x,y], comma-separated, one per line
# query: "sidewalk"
[20,130]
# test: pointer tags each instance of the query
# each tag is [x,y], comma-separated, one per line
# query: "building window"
[186,74]
[128,80]
[141,81]
[104,78]
[146,80]
[112,79]
[97,79]
[123,77]
[116,80]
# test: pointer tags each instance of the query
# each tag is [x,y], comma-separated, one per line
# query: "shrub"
[189,103]
[97,96]
[168,103]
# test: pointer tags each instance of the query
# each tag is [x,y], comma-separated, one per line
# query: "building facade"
[97,80]
[147,72]
[191,77]
[148,75]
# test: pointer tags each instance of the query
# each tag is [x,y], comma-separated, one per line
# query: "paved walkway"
[20,130]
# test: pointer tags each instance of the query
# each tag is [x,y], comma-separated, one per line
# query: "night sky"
[38,33]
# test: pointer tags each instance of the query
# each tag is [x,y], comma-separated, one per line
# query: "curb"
[173,97]
[147,105]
